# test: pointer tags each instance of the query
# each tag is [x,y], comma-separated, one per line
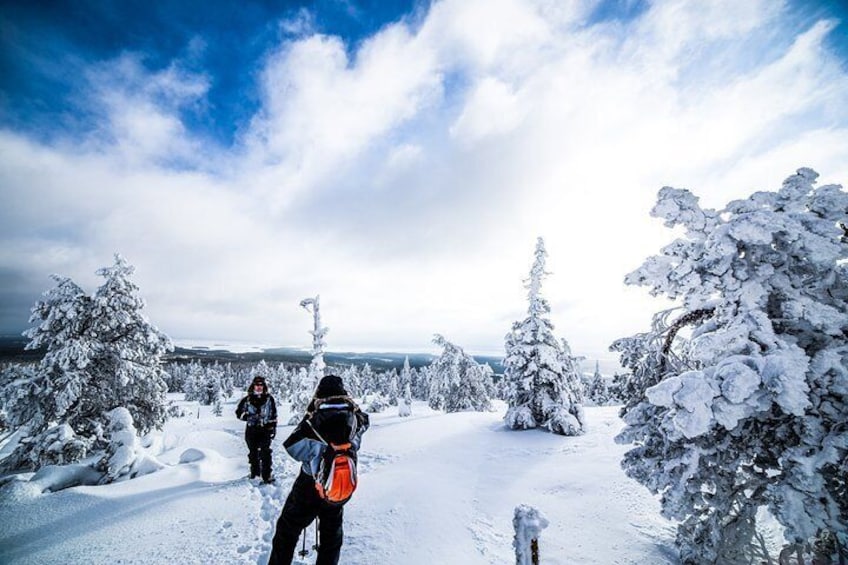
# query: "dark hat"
[331,385]
[259,380]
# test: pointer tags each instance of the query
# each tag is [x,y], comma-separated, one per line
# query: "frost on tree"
[101,354]
[305,382]
[749,409]
[124,458]
[598,391]
[457,380]
[405,386]
[542,378]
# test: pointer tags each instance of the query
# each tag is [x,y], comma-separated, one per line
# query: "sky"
[397,159]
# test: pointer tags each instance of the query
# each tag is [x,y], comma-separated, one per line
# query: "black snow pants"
[258,441]
[302,506]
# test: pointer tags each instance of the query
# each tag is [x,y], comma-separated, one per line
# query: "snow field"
[435,488]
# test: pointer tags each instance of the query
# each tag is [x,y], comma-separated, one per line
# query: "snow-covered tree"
[211,391]
[421,383]
[405,402]
[368,379]
[193,384]
[542,377]
[392,390]
[303,388]
[124,457]
[405,377]
[128,360]
[305,384]
[101,354]
[351,380]
[598,391]
[318,332]
[750,409]
[457,380]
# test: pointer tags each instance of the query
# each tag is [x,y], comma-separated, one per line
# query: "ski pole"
[303,552]
[315,547]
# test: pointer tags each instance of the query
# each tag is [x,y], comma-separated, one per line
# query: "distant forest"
[12,349]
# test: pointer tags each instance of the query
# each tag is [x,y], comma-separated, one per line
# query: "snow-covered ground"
[435,488]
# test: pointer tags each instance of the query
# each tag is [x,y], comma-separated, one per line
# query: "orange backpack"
[337,477]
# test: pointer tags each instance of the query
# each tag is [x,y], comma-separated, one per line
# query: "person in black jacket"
[259,410]
[332,418]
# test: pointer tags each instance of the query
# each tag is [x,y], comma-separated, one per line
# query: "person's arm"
[240,408]
[271,424]
[304,445]
[363,422]
[273,413]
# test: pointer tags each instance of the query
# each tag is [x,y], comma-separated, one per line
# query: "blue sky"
[397,158]
[47,46]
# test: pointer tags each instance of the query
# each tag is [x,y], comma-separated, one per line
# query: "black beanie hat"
[260,380]
[331,385]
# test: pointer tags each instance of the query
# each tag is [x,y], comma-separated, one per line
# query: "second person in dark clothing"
[332,419]
[259,410]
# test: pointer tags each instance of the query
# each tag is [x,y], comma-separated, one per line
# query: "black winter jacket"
[335,420]
[258,410]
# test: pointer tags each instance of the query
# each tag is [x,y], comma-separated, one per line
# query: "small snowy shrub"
[124,458]
[375,403]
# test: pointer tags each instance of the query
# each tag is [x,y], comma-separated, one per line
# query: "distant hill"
[12,350]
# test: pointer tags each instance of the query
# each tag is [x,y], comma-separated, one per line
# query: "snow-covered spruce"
[751,410]
[101,353]
[457,380]
[405,385]
[597,391]
[542,377]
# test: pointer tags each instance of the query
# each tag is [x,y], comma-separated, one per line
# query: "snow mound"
[192,455]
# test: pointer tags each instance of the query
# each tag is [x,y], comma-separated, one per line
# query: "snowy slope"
[435,488]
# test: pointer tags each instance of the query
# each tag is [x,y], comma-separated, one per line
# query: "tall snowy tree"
[405,387]
[457,380]
[305,385]
[421,383]
[368,379]
[544,387]
[405,402]
[392,389]
[750,409]
[350,377]
[193,384]
[101,354]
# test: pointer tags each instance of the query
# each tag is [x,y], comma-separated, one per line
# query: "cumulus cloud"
[405,178]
